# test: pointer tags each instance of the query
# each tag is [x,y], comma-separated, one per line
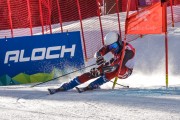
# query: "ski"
[53,91]
[83,89]
[80,90]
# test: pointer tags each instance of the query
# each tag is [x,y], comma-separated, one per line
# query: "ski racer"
[106,70]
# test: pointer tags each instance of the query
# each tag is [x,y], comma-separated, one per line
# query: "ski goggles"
[113,46]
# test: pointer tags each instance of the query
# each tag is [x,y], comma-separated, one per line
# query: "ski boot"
[53,91]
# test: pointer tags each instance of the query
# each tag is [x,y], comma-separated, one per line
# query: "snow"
[119,104]
[146,99]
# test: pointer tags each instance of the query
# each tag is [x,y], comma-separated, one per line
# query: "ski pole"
[61,76]
[120,84]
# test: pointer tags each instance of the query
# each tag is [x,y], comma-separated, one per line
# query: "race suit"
[126,68]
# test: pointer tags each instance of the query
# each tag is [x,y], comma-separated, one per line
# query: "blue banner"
[40,54]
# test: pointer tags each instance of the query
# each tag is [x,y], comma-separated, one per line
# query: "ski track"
[118,104]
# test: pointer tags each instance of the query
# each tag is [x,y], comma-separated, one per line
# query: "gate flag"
[150,20]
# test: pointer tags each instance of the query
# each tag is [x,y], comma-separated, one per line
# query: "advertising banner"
[37,58]
[150,20]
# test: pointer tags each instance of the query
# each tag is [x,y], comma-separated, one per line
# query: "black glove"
[109,62]
[100,60]
[95,72]
[109,69]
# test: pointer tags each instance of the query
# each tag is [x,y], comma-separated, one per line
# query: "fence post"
[59,14]
[80,18]
[49,11]
[41,16]
[98,12]
[29,17]
[119,23]
[172,15]
[10,18]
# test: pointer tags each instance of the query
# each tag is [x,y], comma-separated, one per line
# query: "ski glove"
[109,62]
[100,60]
[95,72]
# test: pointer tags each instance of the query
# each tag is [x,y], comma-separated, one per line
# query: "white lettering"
[143,15]
[9,56]
[146,27]
[49,50]
[22,58]
[39,54]
[71,50]
[41,51]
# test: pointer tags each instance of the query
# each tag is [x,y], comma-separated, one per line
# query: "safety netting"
[93,18]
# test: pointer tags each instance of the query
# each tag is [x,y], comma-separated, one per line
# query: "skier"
[106,70]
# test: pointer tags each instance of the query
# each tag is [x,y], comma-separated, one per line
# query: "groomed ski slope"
[146,99]
[119,104]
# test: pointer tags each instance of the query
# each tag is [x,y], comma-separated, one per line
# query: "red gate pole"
[166,60]
[123,50]
[41,16]
[82,31]
[98,12]
[29,17]
[59,14]
[164,21]
[10,18]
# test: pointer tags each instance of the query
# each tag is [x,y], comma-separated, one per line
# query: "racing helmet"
[111,38]
[113,41]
